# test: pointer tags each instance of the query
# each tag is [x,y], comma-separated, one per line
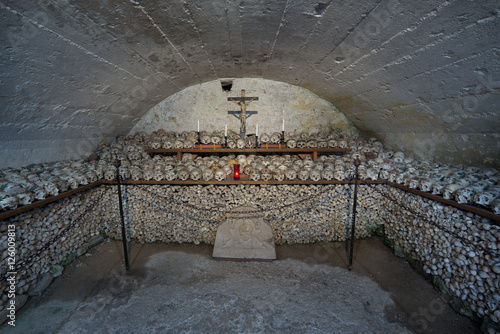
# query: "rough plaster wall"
[207,102]
[423,76]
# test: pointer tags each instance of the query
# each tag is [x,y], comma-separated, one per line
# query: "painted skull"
[266,174]
[255,176]
[372,173]
[304,175]
[291,174]
[278,175]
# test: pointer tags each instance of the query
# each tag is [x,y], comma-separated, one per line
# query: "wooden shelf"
[464,207]
[301,151]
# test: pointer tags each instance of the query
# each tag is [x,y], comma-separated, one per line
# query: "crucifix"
[242,101]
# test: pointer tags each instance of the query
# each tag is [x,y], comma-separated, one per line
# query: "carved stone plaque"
[244,236]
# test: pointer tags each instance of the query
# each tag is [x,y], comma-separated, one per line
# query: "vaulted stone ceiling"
[422,76]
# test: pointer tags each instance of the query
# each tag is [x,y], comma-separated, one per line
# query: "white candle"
[283,128]
[198,125]
[257,130]
[225,131]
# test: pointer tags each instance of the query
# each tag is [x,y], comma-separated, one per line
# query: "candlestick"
[257,130]
[283,128]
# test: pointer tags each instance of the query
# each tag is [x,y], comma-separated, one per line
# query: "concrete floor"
[181,289]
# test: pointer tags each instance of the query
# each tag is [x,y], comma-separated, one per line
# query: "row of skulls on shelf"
[464,184]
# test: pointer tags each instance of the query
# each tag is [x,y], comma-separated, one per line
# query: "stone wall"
[207,102]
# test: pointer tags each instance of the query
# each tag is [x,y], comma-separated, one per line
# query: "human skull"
[136,174]
[327,174]
[178,144]
[266,174]
[495,206]
[425,184]
[168,144]
[464,195]
[291,143]
[195,174]
[342,143]
[231,143]
[323,144]
[372,173]
[449,191]
[291,174]
[265,138]
[255,176]
[183,174]
[278,175]
[383,174]
[304,174]
[7,201]
[301,144]
[148,174]
[205,139]
[339,175]
[110,174]
[208,174]
[486,197]
[240,144]
[170,174]
[275,138]
[332,143]
[155,145]
[250,142]
[188,144]
[158,175]
[315,174]
[216,140]
[220,175]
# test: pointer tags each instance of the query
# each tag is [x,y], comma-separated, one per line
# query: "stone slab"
[244,236]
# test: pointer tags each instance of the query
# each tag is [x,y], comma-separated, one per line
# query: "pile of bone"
[37,182]
[46,237]
[461,248]
[296,213]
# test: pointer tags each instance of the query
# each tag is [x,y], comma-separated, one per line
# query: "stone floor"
[181,289]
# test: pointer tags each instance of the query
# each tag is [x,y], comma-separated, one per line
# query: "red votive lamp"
[236,171]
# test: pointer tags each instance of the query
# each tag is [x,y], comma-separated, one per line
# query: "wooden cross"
[242,101]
